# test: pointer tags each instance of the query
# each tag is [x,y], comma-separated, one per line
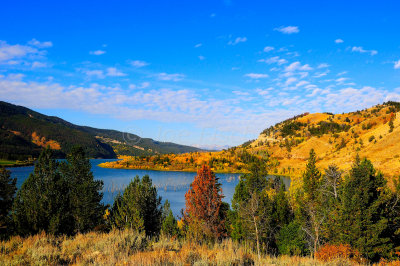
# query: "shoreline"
[189,171]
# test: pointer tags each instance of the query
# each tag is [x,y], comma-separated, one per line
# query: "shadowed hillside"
[24,133]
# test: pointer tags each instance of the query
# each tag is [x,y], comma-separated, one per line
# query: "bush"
[335,252]
[291,240]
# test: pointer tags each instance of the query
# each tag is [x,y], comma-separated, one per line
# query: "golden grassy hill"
[336,138]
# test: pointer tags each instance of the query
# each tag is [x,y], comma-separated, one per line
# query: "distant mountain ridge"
[24,133]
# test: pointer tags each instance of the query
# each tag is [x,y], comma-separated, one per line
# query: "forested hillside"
[24,133]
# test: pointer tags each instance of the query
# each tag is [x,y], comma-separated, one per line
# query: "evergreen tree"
[311,212]
[42,202]
[363,214]
[139,207]
[85,194]
[7,192]
[169,225]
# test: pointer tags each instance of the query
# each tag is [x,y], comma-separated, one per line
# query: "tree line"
[323,209]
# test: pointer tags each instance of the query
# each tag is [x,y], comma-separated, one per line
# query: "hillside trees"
[202,212]
[7,193]
[139,207]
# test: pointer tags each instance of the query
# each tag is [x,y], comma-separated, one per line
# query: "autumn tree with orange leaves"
[202,214]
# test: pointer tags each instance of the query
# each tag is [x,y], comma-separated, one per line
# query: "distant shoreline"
[187,171]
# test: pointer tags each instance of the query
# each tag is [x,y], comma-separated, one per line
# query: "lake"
[171,185]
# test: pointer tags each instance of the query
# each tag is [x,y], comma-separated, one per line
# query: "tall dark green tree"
[169,225]
[85,194]
[7,193]
[42,202]
[139,207]
[311,211]
[364,213]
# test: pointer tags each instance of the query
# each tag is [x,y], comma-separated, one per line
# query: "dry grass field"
[130,248]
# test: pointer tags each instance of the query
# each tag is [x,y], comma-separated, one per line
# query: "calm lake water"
[170,185]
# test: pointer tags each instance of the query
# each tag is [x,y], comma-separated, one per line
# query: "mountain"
[24,133]
[336,138]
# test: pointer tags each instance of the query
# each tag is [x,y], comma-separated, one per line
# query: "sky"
[211,74]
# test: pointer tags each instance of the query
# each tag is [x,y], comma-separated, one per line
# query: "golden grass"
[131,248]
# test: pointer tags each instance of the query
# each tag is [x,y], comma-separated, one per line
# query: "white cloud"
[290,81]
[256,75]
[138,63]
[323,65]
[397,64]
[288,29]
[37,64]
[341,80]
[114,72]
[268,49]
[274,60]
[237,40]
[201,57]
[9,52]
[360,49]
[198,45]
[95,73]
[339,41]
[170,77]
[297,66]
[97,52]
[38,44]
[142,85]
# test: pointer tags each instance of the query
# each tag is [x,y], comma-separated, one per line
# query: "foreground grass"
[131,248]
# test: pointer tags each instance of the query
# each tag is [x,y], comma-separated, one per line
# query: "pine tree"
[139,207]
[169,225]
[42,202]
[7,192]
[203,203]
[363,212]
[311,212]
[85,194]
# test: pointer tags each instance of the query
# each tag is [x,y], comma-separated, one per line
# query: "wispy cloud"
[288,29]
[38,64]
[274,60]
[268,49]
[360,49]
[9,52]
[323,65]
[198,45]
[339,41]
[170,77]
[97,52]
[297,66]
[114,72]
[256,75]
[39,44]
[138,63]
[201,57]
[397,64]
[237,40]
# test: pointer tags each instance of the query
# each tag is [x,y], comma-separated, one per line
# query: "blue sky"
[204,73]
